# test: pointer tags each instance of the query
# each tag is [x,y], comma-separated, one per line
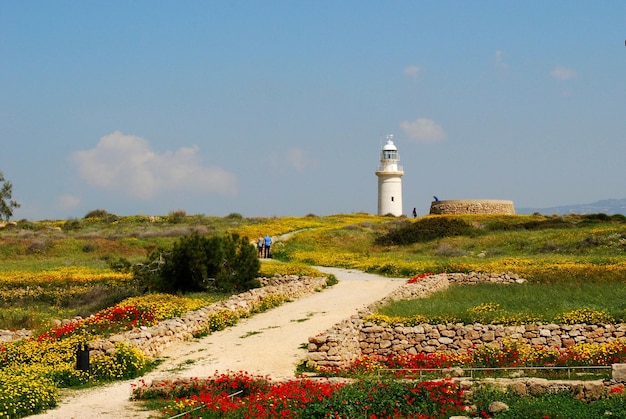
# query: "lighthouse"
[389,180]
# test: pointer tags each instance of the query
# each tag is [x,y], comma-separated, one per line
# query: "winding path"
[268,344]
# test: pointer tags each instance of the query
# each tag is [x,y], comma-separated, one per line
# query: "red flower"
[418,277]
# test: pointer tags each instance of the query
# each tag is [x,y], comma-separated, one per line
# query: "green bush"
[425,230]
[201,263]
[97,213]
[71,224]
[177,217]
[101,215]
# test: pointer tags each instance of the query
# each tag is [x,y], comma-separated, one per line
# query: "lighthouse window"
[392,199]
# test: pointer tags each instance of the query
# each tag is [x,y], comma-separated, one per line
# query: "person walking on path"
[414,213]
[260,245]
[268,244]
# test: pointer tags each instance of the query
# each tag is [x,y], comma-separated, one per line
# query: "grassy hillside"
[62,268]
[542,249]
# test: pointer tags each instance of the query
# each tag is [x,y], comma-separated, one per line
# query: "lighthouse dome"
[389,146]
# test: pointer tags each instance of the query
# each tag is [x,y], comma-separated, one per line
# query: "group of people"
[263,246]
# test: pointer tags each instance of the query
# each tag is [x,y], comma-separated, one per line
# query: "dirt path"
[269,344]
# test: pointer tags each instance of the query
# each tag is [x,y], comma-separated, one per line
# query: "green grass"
[544,302]
[537,247]
[572,262]
[554,406]
[572,250]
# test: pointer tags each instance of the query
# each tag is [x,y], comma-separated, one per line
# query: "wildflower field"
[63,269]
[510,354]
[239,395]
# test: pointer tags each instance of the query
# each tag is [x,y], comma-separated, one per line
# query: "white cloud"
[423,130]
[126,163]
[499,61]
[563,73]
[295,158]
[68,201]
[413,71]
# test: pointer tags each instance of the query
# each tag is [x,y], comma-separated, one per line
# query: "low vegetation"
[511,304]
[543,249]
[200,263]
[239,395]
[116,269]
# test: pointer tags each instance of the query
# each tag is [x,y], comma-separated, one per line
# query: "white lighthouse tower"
[389,180]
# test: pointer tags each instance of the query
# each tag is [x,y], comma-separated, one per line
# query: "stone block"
[594,390]
[385,344]
[317,356]
[434,334]
[519,388]
[538,341]
[618,372]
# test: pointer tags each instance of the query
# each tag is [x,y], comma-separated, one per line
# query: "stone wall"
[152,340]
[523,386]
[355,337]
[9,335]
[472,206]
[396,339]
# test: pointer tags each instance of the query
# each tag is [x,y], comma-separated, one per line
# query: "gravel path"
[268,344]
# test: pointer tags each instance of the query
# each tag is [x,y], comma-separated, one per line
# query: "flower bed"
[377,335]
[239,395]
[512,353]
[49,359]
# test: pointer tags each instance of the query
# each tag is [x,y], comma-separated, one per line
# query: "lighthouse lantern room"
[389,180]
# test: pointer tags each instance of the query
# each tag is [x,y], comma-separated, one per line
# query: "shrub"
[71,224]
[177,216]
[103,215]
[200,263]
[38,246]
[24,224]
[89,247]
[596,217]
[331,280]
[97,213]
[425,230]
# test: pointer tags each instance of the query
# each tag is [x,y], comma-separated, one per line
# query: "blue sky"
[278,108]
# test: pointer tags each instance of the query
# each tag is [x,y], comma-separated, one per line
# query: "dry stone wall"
[472,206]
[152,340]
[396,339]
[589,390]
[355,337]
[9,335]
